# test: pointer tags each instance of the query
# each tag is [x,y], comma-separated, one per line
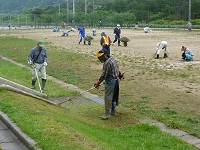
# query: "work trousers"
[41,71]
[111,92]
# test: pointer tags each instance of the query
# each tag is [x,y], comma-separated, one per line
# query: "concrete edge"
[7,87]
[184,136]
[19,85]
[25,139]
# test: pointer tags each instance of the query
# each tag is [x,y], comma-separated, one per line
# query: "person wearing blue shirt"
[38,58]
[82,34]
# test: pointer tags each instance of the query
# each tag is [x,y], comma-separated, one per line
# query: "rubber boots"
[157,57]
[44,84]
[33,84]
[107,115]
[165,55]
[84,42]
[113,111]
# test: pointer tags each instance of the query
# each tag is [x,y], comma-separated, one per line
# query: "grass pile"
[124,39]
[88,38]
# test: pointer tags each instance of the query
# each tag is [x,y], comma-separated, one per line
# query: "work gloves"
[30,62]
[45,64]
[96,85]
[121,75]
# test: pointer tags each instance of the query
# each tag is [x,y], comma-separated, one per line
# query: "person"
[147,30]
[9,26]
[105,42]
[111,75]
[100,24]
[162,45]
[136,25]
[94,32]
[66,32]
[56,29]
[38,58]
[187,54]
[117,33]
[189,26]
[82,34]
[72,29]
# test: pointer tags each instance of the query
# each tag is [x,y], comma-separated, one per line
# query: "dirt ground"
[141,45]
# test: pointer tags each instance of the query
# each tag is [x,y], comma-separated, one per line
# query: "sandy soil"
[141,44]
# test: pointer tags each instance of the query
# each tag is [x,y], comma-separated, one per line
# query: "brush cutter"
[76,95]
[121,76]
[37,78]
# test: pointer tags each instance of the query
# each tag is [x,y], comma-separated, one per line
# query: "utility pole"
[58,10]
[189,13]
[73,21]
[85,6]
[73,8]
[93,5]
[67,10]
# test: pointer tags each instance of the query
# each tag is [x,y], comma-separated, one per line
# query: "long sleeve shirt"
[188,51]
[110,68]
[36,56]
[117,31]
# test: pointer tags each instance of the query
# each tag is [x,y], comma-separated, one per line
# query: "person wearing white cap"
[117,33]
[94,32]
[38,58]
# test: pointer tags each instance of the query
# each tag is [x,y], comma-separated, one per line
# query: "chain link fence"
[19,21]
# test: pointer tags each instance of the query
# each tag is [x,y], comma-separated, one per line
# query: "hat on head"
[118,25]
[40,43]
[102,52]
[103,33]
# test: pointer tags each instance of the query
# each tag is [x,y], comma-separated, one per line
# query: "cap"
[40,43]
[118,25]
[103,33]
[102,52]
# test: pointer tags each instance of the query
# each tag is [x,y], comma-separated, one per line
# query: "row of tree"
[124,12]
